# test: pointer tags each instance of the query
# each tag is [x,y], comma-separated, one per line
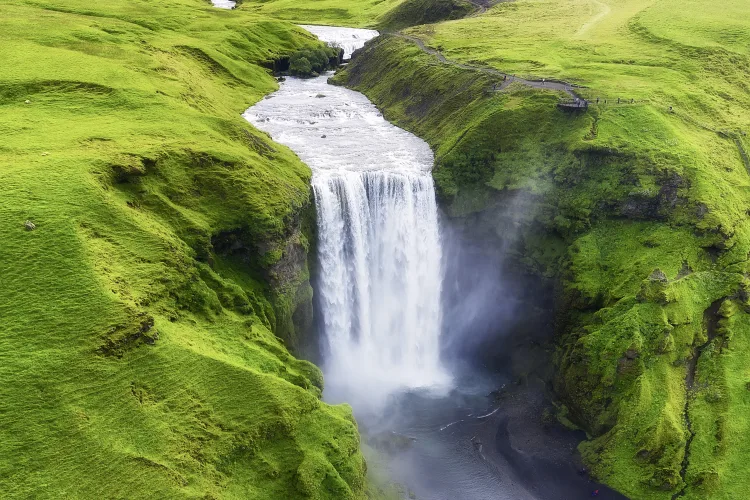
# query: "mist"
[493,307]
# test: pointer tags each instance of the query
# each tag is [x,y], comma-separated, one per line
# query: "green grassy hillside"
[640,213]
[380,14]
[154,244]
[137,318]
[355,14]
[416,12]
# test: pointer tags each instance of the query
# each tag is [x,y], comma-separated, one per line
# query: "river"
[380,280]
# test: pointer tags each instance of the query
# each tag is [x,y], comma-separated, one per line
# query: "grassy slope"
[380,14]
[415,12]
[361,13]
[618,192]
[129,156]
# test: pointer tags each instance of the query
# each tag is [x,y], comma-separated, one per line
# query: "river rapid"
[442,433]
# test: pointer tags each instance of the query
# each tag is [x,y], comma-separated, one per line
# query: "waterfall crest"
[349,39]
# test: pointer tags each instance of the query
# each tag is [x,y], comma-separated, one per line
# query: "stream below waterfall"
[379,288]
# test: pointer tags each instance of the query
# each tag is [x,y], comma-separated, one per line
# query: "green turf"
[639,213]
[388,15]
[156,204]
[122,141]
[360,13]
[415,12]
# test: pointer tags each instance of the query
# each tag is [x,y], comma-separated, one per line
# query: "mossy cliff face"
[163,260]
[283,264]
[641,222]
[416,12]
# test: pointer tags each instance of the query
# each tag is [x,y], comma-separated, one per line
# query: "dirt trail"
[507,79]
[483,5]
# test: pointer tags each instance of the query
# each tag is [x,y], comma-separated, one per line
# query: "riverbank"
[620,208]
[145,301]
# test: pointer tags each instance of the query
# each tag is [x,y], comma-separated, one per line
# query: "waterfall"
[349,39]
[379,250]
[380,279]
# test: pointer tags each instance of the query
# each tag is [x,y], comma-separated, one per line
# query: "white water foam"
[349,39]
[224,4]
[379,247]
[379,254]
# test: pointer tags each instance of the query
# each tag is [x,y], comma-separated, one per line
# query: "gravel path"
[507,79]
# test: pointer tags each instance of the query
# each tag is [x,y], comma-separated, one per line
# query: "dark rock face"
[285,266]
[290,280]
[291,265]
[124,337]
[658,206]
[234,243]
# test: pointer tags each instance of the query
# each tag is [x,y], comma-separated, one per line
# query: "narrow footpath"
[507,78]
[481,7]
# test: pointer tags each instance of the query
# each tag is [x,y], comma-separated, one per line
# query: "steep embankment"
[638,213]
[416,12]
[152,244]
[359,14]
[385,15]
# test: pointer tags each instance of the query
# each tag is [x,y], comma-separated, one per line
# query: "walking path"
[507,79]
[481,7]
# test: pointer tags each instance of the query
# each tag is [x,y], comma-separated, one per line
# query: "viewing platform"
[573,104]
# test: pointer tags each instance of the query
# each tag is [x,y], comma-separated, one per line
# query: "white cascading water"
[349,39]
[379,248]
[379,254]
[224,4]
